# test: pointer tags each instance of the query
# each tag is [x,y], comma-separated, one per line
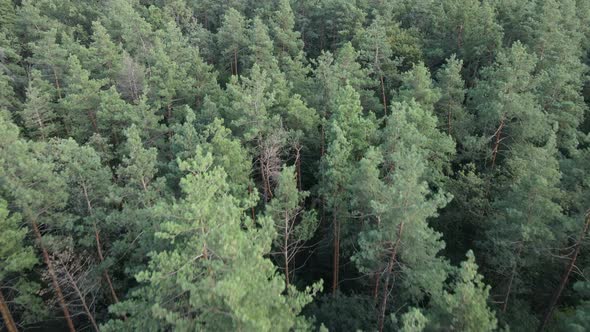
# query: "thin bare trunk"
[512,276]
[265,180]
[252,208]
[377,279]
[236,60]
[53,276]
[392,259]
[286,250]
[497,143]
[323,142]
[6,316]
[336,261]
[449,121]
[57,87]
[383,95]
[265,170]
[82,300]
[99,246]
[40,123]
[268,188]
[169,113]
[298,166]
[92,118]
[566,275]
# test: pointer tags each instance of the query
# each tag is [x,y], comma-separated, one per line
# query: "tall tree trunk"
[376,281]
[6,316]
[449,121]
[323,141]
[566,274]
[82,300]
[236,60]
[54,282]
[497,143]
[460,36]
[265,174]
[57,87]
[298,165]
[286,250]
[92,117]
[99,246]
[336,258]
[268,187]
[512,276]
[390,264]
[252,208]
[40,123]
[383,96]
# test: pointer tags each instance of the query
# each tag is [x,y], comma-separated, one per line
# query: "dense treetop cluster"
[303,165]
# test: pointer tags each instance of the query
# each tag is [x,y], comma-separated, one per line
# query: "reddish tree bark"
[54,282]
[566,274]
[6,316]
[390,265]
[99,246]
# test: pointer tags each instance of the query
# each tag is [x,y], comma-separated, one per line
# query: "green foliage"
[466,308]
[214,267]
[206,165]
[38,114]
[506,107]
[401,232]
[16,259]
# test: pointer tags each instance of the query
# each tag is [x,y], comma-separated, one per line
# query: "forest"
[294,165]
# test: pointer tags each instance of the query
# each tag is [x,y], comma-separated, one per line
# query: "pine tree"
[37,193]
[348,136]
[466,309]
[105,58]
[401,241]
[506,107]
[89,185]
[524,217]
[81,102]
[413,321]
[261,47]
[467,28]
[287,40]
[336,170]
[214,138]
[417,84]
[38,113]
[556,39]
[449,108]
[138,171]
[141,188]
[252,101]
[51,59]
[576,185]
[231,39]
[377,54]
[114,115]
[126,25]
[214,250]
[293,224]
[131,79]
[8,17]
[335,72]
[16,258]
